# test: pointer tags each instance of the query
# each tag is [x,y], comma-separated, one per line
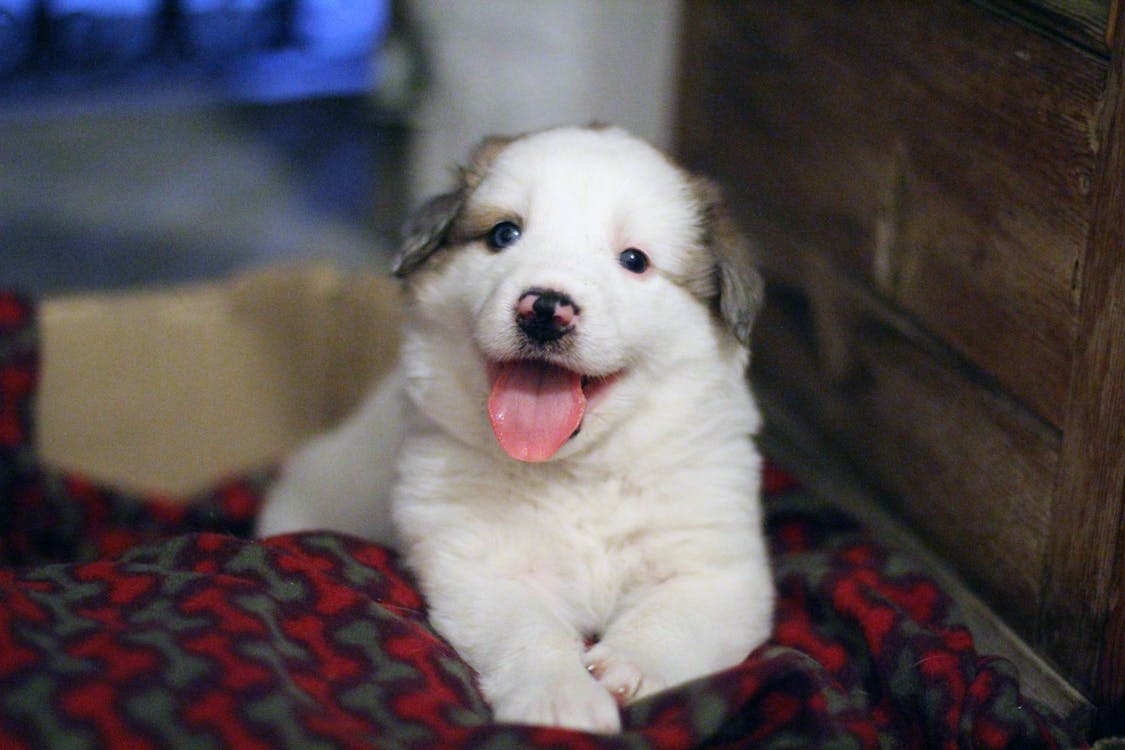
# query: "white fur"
[643,532]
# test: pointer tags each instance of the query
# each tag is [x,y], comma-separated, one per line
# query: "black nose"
[545,315]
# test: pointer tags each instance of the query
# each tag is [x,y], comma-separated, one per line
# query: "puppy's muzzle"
[545,315]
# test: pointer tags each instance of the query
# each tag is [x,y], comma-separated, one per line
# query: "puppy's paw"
[619,675]
[573,703]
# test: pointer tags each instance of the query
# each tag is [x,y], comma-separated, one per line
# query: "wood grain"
[1083,621]
[940,192]
[1083,22]
[915,145]
[829,474]
[964,466]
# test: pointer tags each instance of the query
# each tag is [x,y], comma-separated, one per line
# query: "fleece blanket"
[127,621]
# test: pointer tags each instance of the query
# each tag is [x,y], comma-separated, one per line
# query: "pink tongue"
[535,407]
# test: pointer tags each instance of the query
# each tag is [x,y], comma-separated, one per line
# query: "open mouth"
[535,406]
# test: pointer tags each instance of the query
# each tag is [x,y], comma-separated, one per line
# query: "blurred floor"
[111,199]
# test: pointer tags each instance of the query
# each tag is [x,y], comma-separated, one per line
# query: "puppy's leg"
[686,627]
[528,656]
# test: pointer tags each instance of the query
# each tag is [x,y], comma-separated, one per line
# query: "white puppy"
[571,474]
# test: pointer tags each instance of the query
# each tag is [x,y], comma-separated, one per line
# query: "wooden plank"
[916,145]
[822,468]
[1083,617]
[1084,22]
[961,464]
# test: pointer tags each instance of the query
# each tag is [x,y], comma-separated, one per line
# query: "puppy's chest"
[597,542]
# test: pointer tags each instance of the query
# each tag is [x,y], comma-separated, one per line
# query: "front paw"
[619,675]
[576,702]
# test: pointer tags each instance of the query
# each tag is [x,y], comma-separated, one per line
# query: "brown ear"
[740,287]
[427,232]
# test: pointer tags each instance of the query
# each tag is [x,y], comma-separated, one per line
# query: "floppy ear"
[741,289]
[428,229]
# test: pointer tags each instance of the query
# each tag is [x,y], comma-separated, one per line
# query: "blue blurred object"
[332,52]
[100,33]
[17,29]
[339,29]
[254,50]
[215,29]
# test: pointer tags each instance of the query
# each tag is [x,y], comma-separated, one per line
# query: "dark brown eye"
[505,234]
[633,260]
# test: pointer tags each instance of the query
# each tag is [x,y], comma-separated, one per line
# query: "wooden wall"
[937,189]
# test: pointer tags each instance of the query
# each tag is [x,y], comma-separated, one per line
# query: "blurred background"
[148,142]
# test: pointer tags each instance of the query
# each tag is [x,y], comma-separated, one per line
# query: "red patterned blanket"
[130,622]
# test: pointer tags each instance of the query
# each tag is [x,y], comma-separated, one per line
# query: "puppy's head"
[565,270]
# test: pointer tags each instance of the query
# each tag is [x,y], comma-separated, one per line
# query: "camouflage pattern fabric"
[127,621]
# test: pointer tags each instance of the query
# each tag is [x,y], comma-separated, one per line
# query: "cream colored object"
[169,390]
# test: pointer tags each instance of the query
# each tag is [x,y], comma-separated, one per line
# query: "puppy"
[565,457]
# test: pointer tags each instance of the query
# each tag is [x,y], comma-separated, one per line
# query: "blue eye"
[502,235]
[633,260]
